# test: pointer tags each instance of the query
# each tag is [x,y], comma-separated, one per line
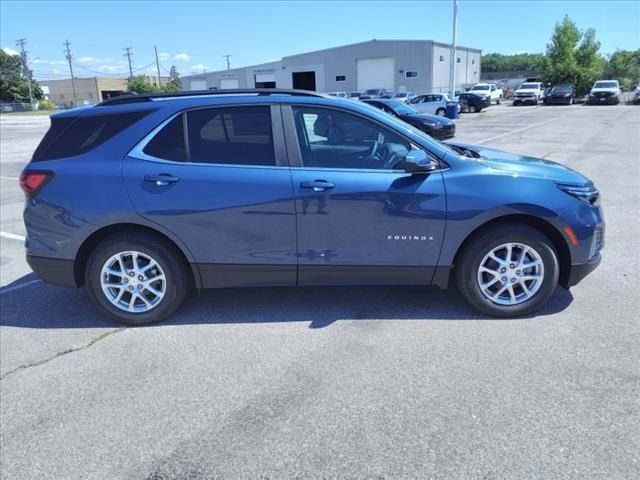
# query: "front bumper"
[580,271]
[557,100]
[54,270]
[442,133]
[526,99]
[610,100]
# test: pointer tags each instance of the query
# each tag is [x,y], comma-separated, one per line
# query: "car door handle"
[317,185]
[161,179]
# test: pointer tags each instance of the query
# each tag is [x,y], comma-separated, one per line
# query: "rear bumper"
[54,270]
[580,271]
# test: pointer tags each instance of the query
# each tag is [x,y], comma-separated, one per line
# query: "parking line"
[12,236]
[4,177]
[516,131]
[18,287]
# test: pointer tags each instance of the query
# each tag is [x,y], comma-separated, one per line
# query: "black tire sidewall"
[466,272]
[174,271]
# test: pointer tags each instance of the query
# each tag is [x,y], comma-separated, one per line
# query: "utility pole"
[452,75]
[128,55]
[228,62]
[157,64]
[73,82]
[25,70]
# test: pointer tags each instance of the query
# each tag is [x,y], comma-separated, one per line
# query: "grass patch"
[35,112]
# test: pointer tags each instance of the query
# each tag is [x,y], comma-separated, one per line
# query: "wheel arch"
[559,243]
[93,240]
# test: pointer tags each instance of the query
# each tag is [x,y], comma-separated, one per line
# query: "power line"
[73,82]
[128,55]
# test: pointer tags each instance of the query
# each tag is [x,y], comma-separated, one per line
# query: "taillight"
[32,182]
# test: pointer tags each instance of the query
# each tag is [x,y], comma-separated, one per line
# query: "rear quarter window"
[69,137]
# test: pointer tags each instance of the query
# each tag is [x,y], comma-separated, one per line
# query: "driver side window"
[331,138]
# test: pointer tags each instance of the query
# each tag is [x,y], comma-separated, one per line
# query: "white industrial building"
[397,65]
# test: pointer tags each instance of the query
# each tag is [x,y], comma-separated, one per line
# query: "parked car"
[490,90]
[529,92]
[605,91]
[636,95]
[354,95]
[472,102]
[145,197]
[561,94]
[435,103]
[404,97]
[6,107]
[434,125]
[338,94]
[375,93]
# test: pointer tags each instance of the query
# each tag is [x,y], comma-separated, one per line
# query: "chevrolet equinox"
[145,197]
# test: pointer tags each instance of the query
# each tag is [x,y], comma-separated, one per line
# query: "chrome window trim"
[137,151]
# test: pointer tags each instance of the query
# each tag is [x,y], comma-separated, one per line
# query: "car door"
[426,104]
[361,219]
[218,179]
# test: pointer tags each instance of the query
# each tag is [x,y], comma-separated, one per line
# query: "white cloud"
[199,67]
[56,71]
[109,68]
[85,59]
[183,57]
[520,52]
[164,56]
[10,51]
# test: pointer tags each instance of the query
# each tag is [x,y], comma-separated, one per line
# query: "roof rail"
[135,98]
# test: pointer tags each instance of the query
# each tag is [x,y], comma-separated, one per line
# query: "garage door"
[265,80]
[376,73]
[229,83]
[198,85]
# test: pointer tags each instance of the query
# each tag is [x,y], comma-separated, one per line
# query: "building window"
[62,96]
[411,74]
[442,58]
[473,62]
[341,78]
[458,60]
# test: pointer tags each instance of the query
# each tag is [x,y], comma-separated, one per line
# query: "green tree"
[572,57]
[14,87]
[496,62]
[175,84]
[624,66]
[140,84]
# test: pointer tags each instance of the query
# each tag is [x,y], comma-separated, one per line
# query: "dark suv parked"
[143,198]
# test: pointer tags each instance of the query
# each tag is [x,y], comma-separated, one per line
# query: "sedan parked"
[561,94]
[472,102]
[434,125]
[404,97]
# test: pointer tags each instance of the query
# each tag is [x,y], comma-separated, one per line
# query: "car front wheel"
[440,112]
[136,279]
[508,271]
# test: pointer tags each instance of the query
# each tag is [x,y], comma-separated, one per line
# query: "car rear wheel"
[136,279]
[440,112]
[515,103]
[508,271]
[472,109]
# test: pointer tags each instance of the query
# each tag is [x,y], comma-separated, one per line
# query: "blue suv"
[145,197]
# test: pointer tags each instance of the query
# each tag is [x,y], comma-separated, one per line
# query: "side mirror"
[418,161]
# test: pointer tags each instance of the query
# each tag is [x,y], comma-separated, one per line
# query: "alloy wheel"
[511,273]
[133,281]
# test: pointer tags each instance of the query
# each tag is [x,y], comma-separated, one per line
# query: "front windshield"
[480,87]
[605,85]
[562,89]
[354,94]
[371,92]
[529,86]
[400,95]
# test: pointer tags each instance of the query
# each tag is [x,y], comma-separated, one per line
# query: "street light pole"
[452,75]
[25,69]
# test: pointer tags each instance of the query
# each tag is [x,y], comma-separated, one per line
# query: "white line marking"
[18,287]
[4,177]
[516,131]
[13,236]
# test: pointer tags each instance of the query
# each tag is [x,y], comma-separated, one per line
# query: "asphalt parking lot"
[358,382]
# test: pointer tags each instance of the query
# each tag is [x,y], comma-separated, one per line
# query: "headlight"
[588,194]
[567,95]
[431,124]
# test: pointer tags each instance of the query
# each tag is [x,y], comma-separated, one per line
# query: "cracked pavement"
[354,382]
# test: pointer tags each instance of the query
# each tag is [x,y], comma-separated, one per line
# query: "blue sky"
[193,35]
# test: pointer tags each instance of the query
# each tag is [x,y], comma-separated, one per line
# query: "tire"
[498,101]
[441,112]
[168,264]
[468,275]
[472,109]
[515,103]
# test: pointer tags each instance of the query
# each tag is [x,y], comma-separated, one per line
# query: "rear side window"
[168,144]
[68,137]
[233,135]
